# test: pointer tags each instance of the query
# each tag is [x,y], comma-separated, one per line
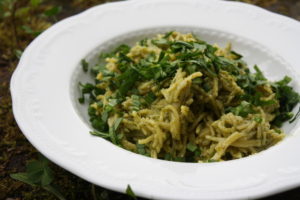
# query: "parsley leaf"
[127,80]
[288,99]
[191,147]
[136,102]
[112,131]
[243,109]
[149,98]
[85,65]
[130,192]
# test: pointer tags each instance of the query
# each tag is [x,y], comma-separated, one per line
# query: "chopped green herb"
[211,160]
[100,134]
[167,35]
[237,55]
[136,102]
[243,109]
[141,149]
[85,65]
[149,98]
[288,99]
[258,119]
[130,192]
[191,147]
[295,117]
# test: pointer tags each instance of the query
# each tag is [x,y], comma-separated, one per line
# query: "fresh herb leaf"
[149,98]
[117,123]
[197,152]
[124,49]
[167,35]
[182,43]
[281,117]
[211,160]
[163,43]
[85,65]
[141,149]
[100,134]
[295,117]
[191,147]
[258,119]
[88,88]
[112,131]
[236,55]
[259,76]
[168,157]
[143,42]
[136,102]
[206,86]
[199,47]
[130,192]
[243,109]
[113,102]
[98,124]
[288,99]
[197,80]
[161,56]
[127,80]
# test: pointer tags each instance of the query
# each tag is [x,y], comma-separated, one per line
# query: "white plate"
[44,92]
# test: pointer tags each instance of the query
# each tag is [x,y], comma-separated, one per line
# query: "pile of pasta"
[191,101]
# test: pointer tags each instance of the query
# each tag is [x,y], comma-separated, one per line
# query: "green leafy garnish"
[149,98]
[85,65]
[130,192]
[243,109]
[112,131]
[112,134]
[288,99]
[136,102]
[191,147]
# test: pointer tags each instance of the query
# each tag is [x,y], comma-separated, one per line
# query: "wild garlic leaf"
[100,134]
[113,131]
[295,117]
[236,55]
[85,65]
[149,98]
[141,149]
[243,110]
[191,147]
[130,192]
[135,102]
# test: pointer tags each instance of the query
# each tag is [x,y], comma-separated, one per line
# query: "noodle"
[190,101]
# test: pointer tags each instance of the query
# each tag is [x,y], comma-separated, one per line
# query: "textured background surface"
[20,22]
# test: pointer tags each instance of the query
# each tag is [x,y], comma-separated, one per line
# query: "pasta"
[178,98]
